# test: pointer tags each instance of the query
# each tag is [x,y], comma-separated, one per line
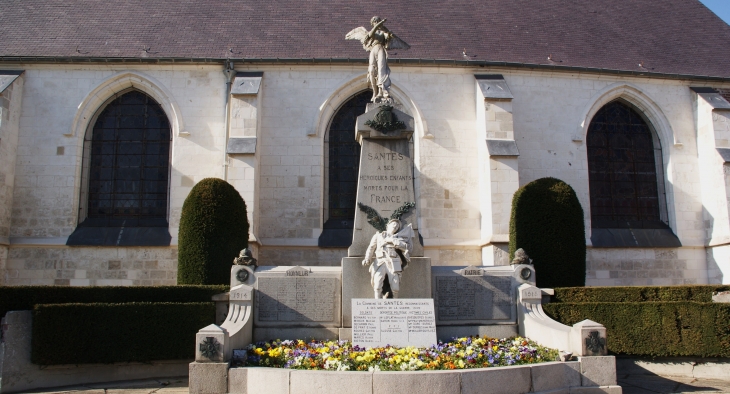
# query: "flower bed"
[461,353]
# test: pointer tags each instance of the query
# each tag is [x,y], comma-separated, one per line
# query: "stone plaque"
[397,322]
[473,295]
[297,296]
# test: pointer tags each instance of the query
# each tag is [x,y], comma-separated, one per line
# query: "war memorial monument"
[387,293]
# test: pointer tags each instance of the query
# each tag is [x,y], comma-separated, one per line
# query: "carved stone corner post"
[588,338]
[210,344]
[239,322]
[498,169]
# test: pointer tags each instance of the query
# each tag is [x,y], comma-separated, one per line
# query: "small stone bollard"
[210,344]
[588,338]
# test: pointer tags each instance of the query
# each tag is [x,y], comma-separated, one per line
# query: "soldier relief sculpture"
[378,41]
[387,255]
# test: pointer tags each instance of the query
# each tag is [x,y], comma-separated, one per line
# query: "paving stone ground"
[631,384]
[651,384]
[149,386]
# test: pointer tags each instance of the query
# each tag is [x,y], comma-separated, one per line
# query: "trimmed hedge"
[109,333]
[213,230]
[697,293]
[19,298]
[547,222]
[655,329]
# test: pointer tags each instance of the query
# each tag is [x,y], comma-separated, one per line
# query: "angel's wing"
[396,43]
[358,33]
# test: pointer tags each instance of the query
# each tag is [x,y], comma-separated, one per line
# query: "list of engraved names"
[296,299]
[400,322]
[474,297]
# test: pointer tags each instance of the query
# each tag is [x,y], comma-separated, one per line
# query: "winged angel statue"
[377,41]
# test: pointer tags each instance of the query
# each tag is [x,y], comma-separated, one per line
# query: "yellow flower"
[258,351]
[461,363]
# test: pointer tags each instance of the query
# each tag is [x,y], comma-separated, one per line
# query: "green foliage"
[697,293]
[547,222]
[213,230]
[109,333]
[21,298]
[378,222]
[655,329]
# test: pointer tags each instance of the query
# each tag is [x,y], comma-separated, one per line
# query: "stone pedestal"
[415,283]
[208,378]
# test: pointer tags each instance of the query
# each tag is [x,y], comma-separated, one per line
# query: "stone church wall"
[283,182]
[10,107]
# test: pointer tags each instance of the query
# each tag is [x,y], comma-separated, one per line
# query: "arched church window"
[126,171]
[625,174]
[342,161]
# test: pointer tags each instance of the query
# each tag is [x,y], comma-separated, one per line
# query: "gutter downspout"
[230,74]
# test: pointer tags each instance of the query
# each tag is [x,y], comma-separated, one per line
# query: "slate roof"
[667,36]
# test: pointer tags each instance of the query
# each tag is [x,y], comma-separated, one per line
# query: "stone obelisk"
[385,186]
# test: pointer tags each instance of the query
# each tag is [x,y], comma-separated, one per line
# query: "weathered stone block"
[325,382]
[208,378]
[502,380]
[598,371]
[238,381]
[442,382]
[550,376]
[265,380]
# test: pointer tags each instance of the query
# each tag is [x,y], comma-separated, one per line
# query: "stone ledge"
[549,377]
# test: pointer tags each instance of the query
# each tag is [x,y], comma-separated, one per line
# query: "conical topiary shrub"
[213,229]
[547,222]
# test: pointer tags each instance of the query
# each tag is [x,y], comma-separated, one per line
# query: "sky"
[719,7]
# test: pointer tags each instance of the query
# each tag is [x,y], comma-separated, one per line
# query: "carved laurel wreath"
[210,348]
[380,222]
[385,121]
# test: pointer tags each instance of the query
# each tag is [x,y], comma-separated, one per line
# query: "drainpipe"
[230,74]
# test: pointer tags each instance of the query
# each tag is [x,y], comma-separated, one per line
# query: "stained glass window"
[129,164]
[344,162]
[622,168]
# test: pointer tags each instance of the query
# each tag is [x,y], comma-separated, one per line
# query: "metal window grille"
[129,164]
[622,170]
[344,160]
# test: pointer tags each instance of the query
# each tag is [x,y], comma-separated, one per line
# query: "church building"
[110,112]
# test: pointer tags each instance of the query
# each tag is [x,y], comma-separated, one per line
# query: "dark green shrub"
[21,298]
[697,293]
[547,222]
[109,333]
[213,229]
[656,329]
